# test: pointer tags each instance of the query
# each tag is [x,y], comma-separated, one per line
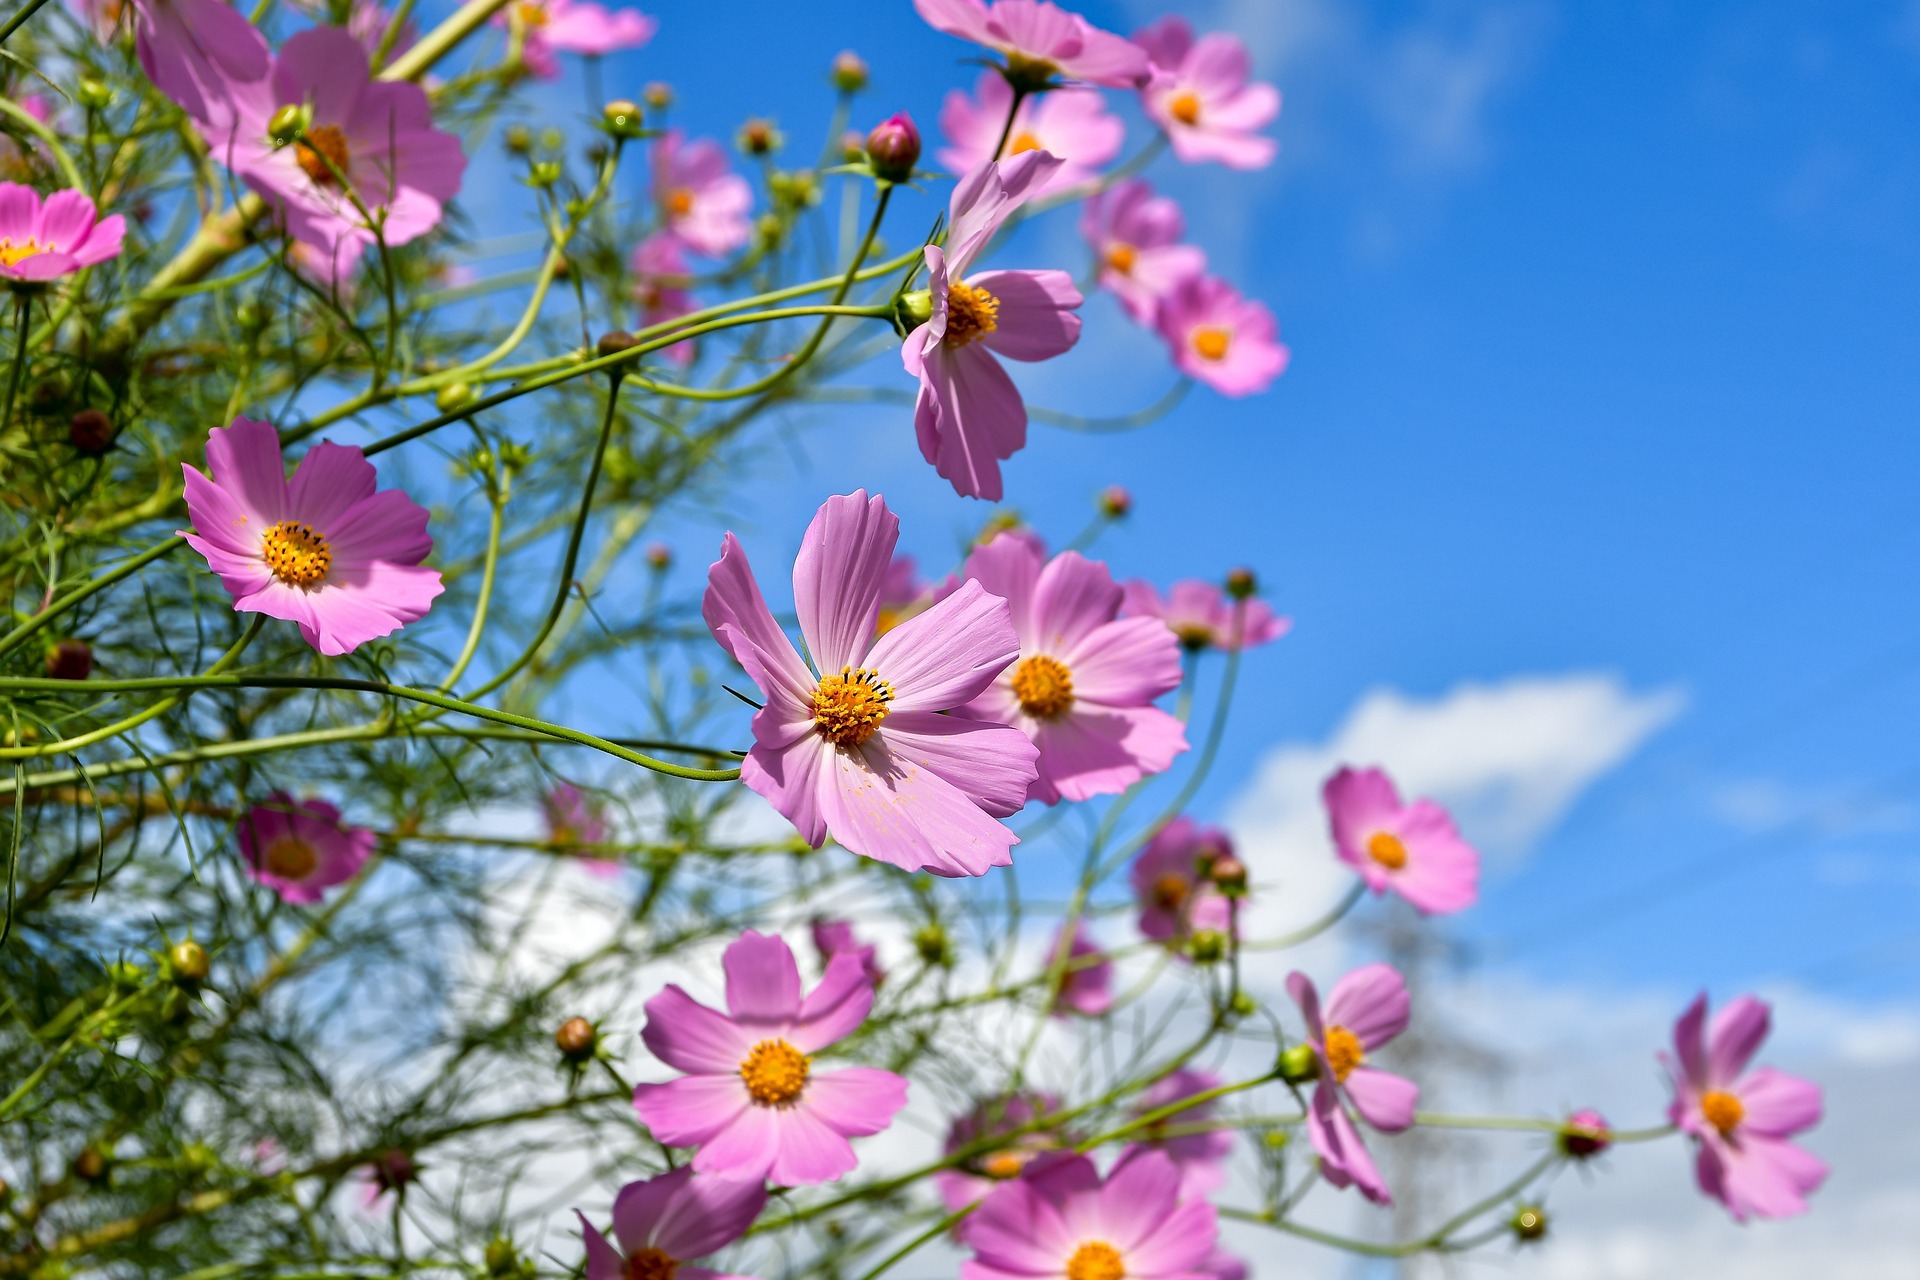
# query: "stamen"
[297,553]
[1344,1052]
[1211,342]
[323,144]
[1386,848]
[1120,256]
[848,708]
[1095,1260]
[1044,686]
[651,1264]
[1722,1110]
[10,253]
[1185,107]
[971,313]
[1024,142]
[1169,891]
[775,1072]
[290,858]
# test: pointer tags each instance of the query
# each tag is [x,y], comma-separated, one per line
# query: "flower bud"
[1206,946]
[930,941]
[1241,583]
[893,148]
[659,556]
[622,118]
[1244,1005]
[519,140]
[91,1165]
[577,1039]
[915,308]
[1115,502]
[454,397]
[849,72]
[1229,873]
[1299,1064]
[614,341]
[393,1169]
[543,173]
[1584,1134]
[191,964]
[126,973]
[92,94]
[658,95]
[502,1260]
[1529,1223]
[758,137]
[288,123]
[853,147]
[69,660]
[198,1157]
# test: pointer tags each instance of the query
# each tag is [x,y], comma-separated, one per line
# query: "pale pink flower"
[862,750]
[751,1100]
[1200,95]
[1221,1265]
[575,822]
[1072,124]
[1365,1010]
[1086,984]
[324,550]
[1202,616]
[1059,1221]
[1136,237]
[1741,1120]
[43,240]
[1041,40]
[1200,1156]
[834,937]
[299,849]
[660,279]
[1226,341]
[1171,882]
[197,52]
[702,201]
[1412,849]
[1004,1115]
[1084,684]
[969,415]
[572,26]
[664,1223]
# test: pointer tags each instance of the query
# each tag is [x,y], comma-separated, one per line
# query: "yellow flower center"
[775,1072]
[1722,1110]
[1002,1165]
[680,202]
[296,553]
[1211,342]
[11,253]
[971,313]
[1095,1260]
[1120,256]
[848,708]
[1185,107]
[290,858]
[1344,1052]
[1043,685]
[532,15]
[1024,141]
[324,145]
[1385,848]
[1169,891]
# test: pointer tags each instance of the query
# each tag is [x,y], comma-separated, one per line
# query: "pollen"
[1044,686]
[1169,891]
[1385,848]
[1344,1052]
[848,708]
[1025,141]
[11,253]
[1095,1260]
[297,553]
[1211,342]
[289,858]
[971,314]
[775,1072]
[680,202]
[651,1264]
[324,145]
[1722,1110]
[1120,256]
[1185,107]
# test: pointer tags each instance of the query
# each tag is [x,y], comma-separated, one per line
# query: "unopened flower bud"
[659,556]
[930,941]
[90,1165]
[126,973]
[453,397]
[758,137]
[614,341]
[1529,1222]
[1229,873]
[1241,583]
[1206,946]
[1244,1005]
[658,95]
[92,94]
[393,1169]
[191,964]
[853,147]
[577,1038]
[915,308]
[69,660]
[198,1157]
[1585,1134]
[288,123]
[1299,1064]
[543,174]
[893,148]
[501,1258]
[1115,502]
[849,71]
[519,140]
[622,118]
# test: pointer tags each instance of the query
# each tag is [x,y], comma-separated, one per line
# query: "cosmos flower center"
[290,858]
[535,15]
[1194,635]
[1120,256]
[971,314]
[1044,686]
[1722,1110]
[775,1072]
[848,708]
[1385,848]
[11,253]
[1095,1260]
[325,145]
[1211,342]
[1169,891]
[1344,1052]
[1002,1165]
[297,553]
[1185,107]
[651,1264]
[680,202]
[1025,141]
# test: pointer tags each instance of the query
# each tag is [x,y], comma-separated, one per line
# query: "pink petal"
[1073,596]
[245,460]
[1180,1244]
[1385,1100]
[1125,663]
[705,1214]
[1768,1178]
[944,657]
[1442,872]
[838,575]
[989,762]
[857,1101]
[1344,1160]
[793,778]
[763,980]
[972,415]
[747,1146]
[693,1110]
[1009,567]
[1777,1105]
[1301,988]
[1688,1042]
[639,1206]
[690,1037]
[19,212]
[324,67]
[808,1149]
[103,242]
[1095,751]
[603,1263]
[1734,1038]
[65,219]
[1136,1198]
[1036,320]
[884,806]
[835,1008]
[738,616]
[385,526]
[1372,1003]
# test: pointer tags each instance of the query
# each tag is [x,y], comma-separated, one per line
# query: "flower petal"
[1036,320]
[688,1036]
[838,576]
[992,764]
[943,658]
[693,1110]
[1372,1003]
[1734,1038]
[836,1008]
[856,1102]
[763,980]
[1384,1100]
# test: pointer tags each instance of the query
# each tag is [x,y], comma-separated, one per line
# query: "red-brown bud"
[576,1038]
[90,432]
[893,148]
[69,660]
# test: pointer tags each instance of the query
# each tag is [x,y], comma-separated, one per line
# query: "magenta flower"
[1200,95]
[1072,124]
[576,823]
[1040,40]
[1136,236]
[661,276]
[1171,872]
[1084,685]
[1585,1133]
[1201,1157]
[324,550]
[572,26]
[41,241]
[751,1100]
[1061,1222]
[1366,1009]
[663,1223]
[702,202]
[1741,1119]
[299,849]
[969,415]
[836,937]
[1004,1115]
[1226,341]
[1412,849]
[1086,985]
[198,53]
[1201,616]
[862,750]
[1221,1265]
[367,22]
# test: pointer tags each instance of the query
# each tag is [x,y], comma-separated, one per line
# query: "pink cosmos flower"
[324,550]
[663,1223]
[1585,1133]
[1040,40]
[660,279]
[1136,236]
[1741,1119]
[1221,1265]
[1199,94]
[197,52]
[370,141]
[969,414]
[44,240]
[574,820]
[1170,881]
[1412,849]
[836,937]
[572,26]
[299,849]
[1086,988]
[751,1100]
[1201,615]
[1226,341]
[1084,685]
[862,750]
[1072,124]
[1366,1009]
[701,201]
[1006,1114]
[1060,1221]
[1201,1157]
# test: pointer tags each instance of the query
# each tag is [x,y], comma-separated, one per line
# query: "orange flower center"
[1344,1052]
[775,1072]
[1385,848]
[1024,141]
[1169,891]
[325,145]
[1095,1260]
[1722,1110]
[1043,685]
[1120,256]
[680,202]
[296,553]
[1211,342]
[1185,107]
[848,708]
[1002,1165]
[290,858]
[651,1264]
[971,313]
[530,14]
[11,253]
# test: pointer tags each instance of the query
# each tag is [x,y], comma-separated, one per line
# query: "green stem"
[19,17]
[125,569]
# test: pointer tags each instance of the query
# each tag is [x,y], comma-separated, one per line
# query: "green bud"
[933,946]
[502,1259]
[1299,1064]
[849,71]
[915,309]
[543,174]
[198,1157]
[1529,1223]
[453,397]
[519,140]
[1244,1005]
[1275,1139]
[190,963]
[92,94]
[1241,583]
[1206,946]
[288,123]
[622,118]
[126,973]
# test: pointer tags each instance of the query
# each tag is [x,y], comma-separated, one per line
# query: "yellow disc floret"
[1095,1260]
[848,708]
[322,153]
[1120,257]
[297,553]
[289,858]
[1386,848]
[775,1072]
[1344,1052]
[1722,1110]
[1185,107]
[1211,342]
[1044,686]
[10,253]
[971,314]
